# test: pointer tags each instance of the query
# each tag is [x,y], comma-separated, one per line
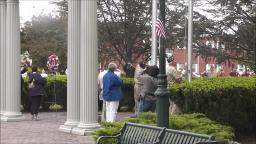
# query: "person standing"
[138,86]
[36,91]
[173,76]
[112,92]
[100,87]
[149,80]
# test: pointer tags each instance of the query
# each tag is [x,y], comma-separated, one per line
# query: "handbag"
[31,85]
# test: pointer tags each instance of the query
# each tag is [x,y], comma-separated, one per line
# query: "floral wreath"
[53,63]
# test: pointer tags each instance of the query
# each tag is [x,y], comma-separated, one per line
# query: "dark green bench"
[181,137]
[219,142]
[132,133]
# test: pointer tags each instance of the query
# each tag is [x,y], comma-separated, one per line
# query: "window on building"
[195,68]
[219,67]
[208,66]
[222,45]
[240,67]
[217,44]
[212,44]
[207,42]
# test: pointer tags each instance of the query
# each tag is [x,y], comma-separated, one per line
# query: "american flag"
[160,30]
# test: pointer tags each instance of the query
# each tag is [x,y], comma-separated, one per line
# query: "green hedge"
[231,101]
[197,123]
[57,86]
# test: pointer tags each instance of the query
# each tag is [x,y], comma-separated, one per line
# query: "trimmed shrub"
[197,123]
[231,101]
[55,107]
[56,90]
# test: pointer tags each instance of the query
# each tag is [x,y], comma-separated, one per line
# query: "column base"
[2,113]
[85,129]
[12,117]
[68,126]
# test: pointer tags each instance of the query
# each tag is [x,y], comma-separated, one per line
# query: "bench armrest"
[117,137]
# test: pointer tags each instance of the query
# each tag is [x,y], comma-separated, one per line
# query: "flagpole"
[154,38]
[190,40]
[159,44]
[162,94]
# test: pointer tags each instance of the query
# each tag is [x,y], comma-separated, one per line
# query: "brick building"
[200,64]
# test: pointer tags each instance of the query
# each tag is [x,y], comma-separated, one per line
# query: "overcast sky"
[28,8]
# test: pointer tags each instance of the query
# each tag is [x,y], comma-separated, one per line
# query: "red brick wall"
[180,56]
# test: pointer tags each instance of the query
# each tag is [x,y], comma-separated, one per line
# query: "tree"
[62,7]
[124,29]
[44,35]
[235,24]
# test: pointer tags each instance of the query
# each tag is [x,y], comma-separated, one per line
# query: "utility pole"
[153,60]
[162,105]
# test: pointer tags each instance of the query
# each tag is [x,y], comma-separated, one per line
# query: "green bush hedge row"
[231,101]
[197,123]
[56,91]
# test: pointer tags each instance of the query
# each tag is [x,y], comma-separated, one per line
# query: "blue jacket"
[39,83]
[112,87]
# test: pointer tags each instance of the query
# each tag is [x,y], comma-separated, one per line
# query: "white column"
[73,87]
[89,65]
[2,54]
[13,78]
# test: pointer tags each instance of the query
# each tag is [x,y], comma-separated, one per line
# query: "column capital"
[93,0]
[2,2]
[12,1]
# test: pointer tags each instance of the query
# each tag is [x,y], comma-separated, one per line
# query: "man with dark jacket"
[36,91]
[149,82]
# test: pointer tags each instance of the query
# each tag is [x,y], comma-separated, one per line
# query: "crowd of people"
[110,93]
[145,85]
[145,78]
[212,72]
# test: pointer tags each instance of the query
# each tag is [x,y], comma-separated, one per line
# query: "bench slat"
[136,133]
[181,137]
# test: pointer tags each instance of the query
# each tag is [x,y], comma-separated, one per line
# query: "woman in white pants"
[112,92]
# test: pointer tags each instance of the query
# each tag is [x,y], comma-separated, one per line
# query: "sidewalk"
[43,131]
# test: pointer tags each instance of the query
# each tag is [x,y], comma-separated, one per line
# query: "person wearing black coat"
[36,91]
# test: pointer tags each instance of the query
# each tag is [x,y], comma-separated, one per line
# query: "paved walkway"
[43,131]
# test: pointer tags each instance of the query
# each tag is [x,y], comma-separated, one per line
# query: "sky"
[28,8]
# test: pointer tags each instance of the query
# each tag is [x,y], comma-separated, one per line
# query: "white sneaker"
[32,118]
[36,117]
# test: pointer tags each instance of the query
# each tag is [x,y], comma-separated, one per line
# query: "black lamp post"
[162,105]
